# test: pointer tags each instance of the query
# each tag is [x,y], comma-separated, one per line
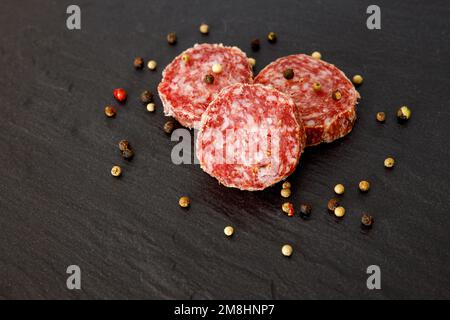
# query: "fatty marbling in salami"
[325,97]
[250,137]
[189,84]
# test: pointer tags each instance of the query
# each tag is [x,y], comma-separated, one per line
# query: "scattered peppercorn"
[204,28]
[286,250]
[169,126]
[336,95]
[151,107]
[123,145]
[255,44]
[305,210]
[404,113]
[185,58]
[209,79]
[272,37]
[389,162]
[357,79]
[127,154]
[288,208]
[184,202]
[252,62]
[229,231]
[316,55]
[333,204]
[116,171]
[110,111]
[317,86]
[172,38]
[339,212]
[288,74]
[364,186]
[217,68]
[120,94]
[367,221]
[286,185]
[146,97]
[152,65]
[138,63]
[339,188]
[381,116]
[285,192]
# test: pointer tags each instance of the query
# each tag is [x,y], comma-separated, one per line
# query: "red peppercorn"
[120,94]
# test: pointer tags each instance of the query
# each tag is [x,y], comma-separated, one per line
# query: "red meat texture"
[325,119]
[183,91]
[250,137]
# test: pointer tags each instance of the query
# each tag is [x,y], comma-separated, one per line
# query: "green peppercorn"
[272,37]
[209,79]
[288,74]
[138,63]
[404,113]
[146,97]
[127,154]
[255,44]
[367,221]
[172,38]
[336,95]
[123,145]
[305,210]
[169,126]
[333,204]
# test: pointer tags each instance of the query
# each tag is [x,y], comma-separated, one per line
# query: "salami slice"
[250,137]
[325,97]
[184,91]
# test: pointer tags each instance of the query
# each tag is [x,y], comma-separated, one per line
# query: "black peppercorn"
[172,38]
[367,221]
[305,210]
[288,74]
[138,63]
[123,145]
[127,154]
[209,79]
[146,97]
[255,44]
[169,126]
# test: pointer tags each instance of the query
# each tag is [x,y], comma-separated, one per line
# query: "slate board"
[60,206]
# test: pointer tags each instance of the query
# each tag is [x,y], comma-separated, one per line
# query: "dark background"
[60,206]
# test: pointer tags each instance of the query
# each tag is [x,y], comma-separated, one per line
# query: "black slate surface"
[60,206]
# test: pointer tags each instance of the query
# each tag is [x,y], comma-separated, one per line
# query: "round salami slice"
[189,82]
[325,97]
[250,137]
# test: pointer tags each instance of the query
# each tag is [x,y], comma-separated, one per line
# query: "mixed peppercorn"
[146,97]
